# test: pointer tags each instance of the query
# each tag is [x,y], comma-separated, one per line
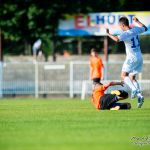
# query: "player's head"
[94,52]
[97,84]
[123,23]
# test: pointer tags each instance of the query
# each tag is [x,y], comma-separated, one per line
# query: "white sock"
[136,84]
[128,81]
[139,95]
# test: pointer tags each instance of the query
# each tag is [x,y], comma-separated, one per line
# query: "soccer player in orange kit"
[96,66]
[109,101]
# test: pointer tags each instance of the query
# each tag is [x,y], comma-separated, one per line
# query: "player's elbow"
[117,39]
[145,28]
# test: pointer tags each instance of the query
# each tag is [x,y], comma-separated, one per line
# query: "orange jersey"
[96,66]
[98,92]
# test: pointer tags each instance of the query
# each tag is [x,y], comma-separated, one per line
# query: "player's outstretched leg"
[120,106]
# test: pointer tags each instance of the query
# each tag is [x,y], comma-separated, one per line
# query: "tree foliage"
[23,21]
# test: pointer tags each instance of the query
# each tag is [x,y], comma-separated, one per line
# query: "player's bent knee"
[125,94]
[120,93]
[123,75]
[116,92]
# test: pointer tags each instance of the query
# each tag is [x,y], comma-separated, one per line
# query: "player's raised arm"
[116,83]
[115,38]
[112,83]
[139,23]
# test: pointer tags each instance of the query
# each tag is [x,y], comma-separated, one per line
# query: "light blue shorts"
[133,66]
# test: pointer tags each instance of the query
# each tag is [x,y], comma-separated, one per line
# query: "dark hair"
[124,20]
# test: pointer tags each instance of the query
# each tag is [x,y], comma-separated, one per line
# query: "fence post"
[83,92]
[140,76]
[105,69]
[71,80]
[1,79]
[36,80]
[140,80]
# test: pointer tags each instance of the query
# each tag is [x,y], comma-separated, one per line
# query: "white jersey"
[131,40]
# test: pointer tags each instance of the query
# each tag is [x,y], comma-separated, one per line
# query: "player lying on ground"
[109,101]
[134,61]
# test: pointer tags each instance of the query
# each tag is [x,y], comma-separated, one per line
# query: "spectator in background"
[96,67]
[66,54]
[37,48]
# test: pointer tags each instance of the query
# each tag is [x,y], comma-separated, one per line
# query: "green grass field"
[30,124]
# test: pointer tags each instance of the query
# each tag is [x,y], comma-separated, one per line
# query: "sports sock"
[139,95]
[128,81]
[136,84]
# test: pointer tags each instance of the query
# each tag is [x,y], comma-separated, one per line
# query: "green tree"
[23,21]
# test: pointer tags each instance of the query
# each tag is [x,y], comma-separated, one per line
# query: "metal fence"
[53,78]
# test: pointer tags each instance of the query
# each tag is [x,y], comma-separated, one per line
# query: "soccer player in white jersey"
[134,60]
